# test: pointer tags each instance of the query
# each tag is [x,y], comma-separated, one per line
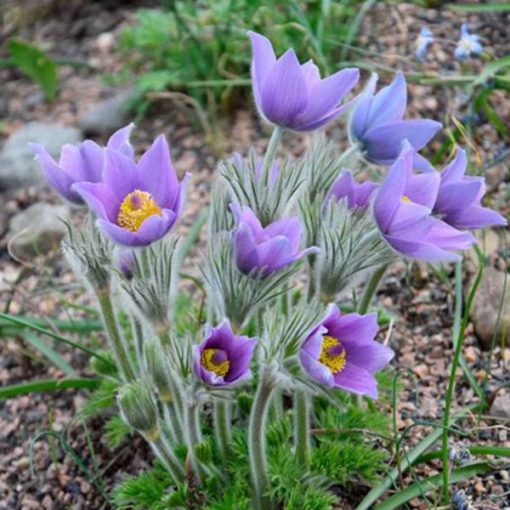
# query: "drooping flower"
[403,212]
[223,358]
[82,162]
[136,202]
[468,44]
[357,195]
[459,198]
[377,124]
[265,250]
[424,40]
[292,95]
[341,352]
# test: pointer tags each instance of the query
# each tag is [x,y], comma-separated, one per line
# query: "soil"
[420,302]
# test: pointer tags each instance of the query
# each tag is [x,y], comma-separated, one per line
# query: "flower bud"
[139,409]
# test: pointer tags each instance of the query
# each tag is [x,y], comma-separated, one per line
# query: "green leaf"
[433,482]
[490,7]
[47,385]
[47,352]
[116,431]
[36,65]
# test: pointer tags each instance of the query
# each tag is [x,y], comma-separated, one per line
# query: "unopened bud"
[139,409]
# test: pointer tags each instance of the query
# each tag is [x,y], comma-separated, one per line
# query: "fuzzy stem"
[114,336]
[257,443]
[302,424]
[371,288]
[222,413]
[270,154]
[167,456]
[451,381]
[193,437]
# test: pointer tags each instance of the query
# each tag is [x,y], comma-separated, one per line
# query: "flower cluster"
[285,240]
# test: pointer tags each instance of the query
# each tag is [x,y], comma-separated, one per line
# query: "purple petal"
[290,228]
[119,141]
[99,198]
[247,216]
[155,227]
[359,118]
[356,380]
[284,93]
[315,369]
[275,253]
[240,356]
[157,175]
[262,62]
[474,217]
[456,169]
[120,174]
[353,328]
[371,356]
[448,238]
[245,251]
[389,104]
[457,196]
[383,143]
[423,188]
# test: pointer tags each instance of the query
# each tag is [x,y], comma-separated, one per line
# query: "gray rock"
[37,230]
[501,406]
[107,116]
[484,312]
[18,167]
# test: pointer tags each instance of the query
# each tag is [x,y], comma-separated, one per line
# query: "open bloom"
[136,202]
[341,352]
[223,358]
[292,95]
[357,195]
[468,44]
[82,162]
[459,198]
[265,250]
[403,212]
[424,40]
[378,126]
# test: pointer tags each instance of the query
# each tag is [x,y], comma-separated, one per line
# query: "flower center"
[405,199]
[135,209]
[332,354]
[215,360]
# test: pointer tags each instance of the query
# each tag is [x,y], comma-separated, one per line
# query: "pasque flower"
[468,44]
[341,352]
[459,198]
[403,212]
[136,202]
[377,124]
[223,358]
[265,250]
[424,40]
[82,162]
[294,96]
[357,195]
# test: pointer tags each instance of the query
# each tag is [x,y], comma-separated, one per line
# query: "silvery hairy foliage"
[233,294]
[89,253]
[269,201]
[152,286]
[350,245]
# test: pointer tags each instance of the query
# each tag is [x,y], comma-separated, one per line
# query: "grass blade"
[433,482]
[498,451]
[16,390]
[49,353]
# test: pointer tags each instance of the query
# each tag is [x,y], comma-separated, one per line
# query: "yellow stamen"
[406,199]
[209,362]
[135,209]
[332,354]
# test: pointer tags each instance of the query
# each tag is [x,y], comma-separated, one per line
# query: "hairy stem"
[257,443]
[165,453]
[222,413]
[451,382]
[117,344]
[270,154]
[302,427]
[193,437]
[371,288]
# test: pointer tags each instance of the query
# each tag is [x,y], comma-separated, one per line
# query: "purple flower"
[265,250]
[403,208]
[377,124]
[79,163]
[223,358]
[458,202]
[292,95]
[357,195]
[424,40]
[136,202]
[341,352]
[468,44]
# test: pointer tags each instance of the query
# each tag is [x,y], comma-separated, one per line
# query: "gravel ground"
[421,304]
